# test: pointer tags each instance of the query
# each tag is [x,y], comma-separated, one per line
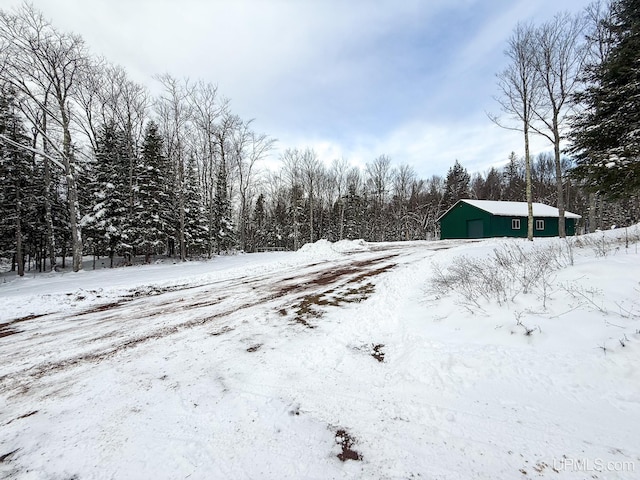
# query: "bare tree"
[175,113]
[598,15]
[129,103]
[403,181]
[519,96]
[339,170]
[107,95]
[311,170]
[292,166]
[208,109]
[46,66]
[379,176]
[434,206]
[559,59]
[248,148]
[224,136]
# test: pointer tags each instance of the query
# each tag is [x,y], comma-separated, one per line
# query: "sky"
[410,79]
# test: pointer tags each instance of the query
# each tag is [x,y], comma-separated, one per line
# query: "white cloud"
[430,148]
[352,79]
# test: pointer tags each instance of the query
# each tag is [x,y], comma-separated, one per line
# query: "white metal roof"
[517,209]
[513,209]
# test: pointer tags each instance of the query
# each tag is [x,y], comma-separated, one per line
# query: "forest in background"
[92,164]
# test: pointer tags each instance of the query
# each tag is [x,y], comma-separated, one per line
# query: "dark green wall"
[455,224]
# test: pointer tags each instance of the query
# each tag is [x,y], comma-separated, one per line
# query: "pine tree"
[110,218]
[456,185]
[492,185]
[224,229]
[196,229]
[258,226]
[280,228]
[16,182]
[353,214]
[605,137]
[151,220]
[514,180]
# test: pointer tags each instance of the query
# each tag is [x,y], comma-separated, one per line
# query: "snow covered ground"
[340,360]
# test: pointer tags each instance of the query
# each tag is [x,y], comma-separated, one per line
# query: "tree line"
[92,164]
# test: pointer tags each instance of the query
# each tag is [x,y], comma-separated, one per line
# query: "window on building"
[539,224]
[515,224]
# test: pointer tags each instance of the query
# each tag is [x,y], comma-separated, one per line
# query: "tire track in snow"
[104,323]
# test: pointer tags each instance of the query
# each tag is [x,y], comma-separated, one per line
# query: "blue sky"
[412,79]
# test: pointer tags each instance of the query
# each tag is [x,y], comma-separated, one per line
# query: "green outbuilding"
[489,218]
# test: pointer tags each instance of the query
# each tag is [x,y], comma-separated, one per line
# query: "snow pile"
[328,250]
[350,246]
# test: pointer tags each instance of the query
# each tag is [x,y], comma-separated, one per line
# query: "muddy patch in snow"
[311,306]
[346,441]
[101,308]
[7,329]
[225,329]
[358,270]
[26,415]
[150,290]
[7,456]
[377,353]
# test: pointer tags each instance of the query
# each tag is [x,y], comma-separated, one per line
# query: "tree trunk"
[212,192]
[181,206]
[19,253]
[211,216]
[72,191]
[342,206]
[243,221]
[527,161]
[560,191]
[311,213]
[48,217]
[592,213]
[296,229]
[76,234]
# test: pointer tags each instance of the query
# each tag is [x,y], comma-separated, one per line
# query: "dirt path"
[39,346]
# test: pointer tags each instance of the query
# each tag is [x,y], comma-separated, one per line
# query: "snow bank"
[349,246]
[328,250]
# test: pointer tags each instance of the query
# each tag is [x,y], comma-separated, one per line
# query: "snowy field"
[346,360]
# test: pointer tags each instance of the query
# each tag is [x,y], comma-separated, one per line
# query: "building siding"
[454,223]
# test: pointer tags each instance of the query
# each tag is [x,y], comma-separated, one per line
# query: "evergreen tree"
[456,185]
[280,228]
[296,213]
[196,229]
[16,183]
[353,214]
[492,185]
[223,226]
[151,217]
[257,236]
[514,180]
[605,137]
[110,218]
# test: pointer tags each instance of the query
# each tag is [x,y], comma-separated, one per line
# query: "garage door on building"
[475,229]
